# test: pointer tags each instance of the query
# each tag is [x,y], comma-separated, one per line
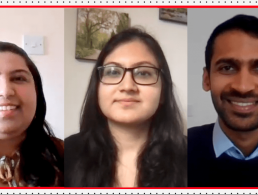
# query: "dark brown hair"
[162,162]
[41,164]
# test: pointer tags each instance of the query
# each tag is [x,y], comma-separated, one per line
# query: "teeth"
[7,107]
[243,104]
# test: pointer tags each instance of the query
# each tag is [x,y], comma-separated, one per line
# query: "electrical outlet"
[33,45]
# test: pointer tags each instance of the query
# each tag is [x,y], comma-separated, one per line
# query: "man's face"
[233,80]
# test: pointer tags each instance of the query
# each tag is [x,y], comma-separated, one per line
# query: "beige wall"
[171,36]
[50,24]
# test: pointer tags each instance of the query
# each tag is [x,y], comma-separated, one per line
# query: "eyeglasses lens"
[141,75]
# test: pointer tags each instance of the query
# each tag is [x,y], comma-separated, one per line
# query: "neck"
[245,141]
[8,146]
[129,138]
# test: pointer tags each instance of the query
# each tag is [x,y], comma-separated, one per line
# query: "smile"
[7,108]
[243,103]
[243,106]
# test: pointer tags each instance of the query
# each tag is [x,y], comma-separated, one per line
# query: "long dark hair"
[162,162]
[41,164]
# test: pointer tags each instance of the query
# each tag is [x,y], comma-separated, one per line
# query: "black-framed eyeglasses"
[142,75]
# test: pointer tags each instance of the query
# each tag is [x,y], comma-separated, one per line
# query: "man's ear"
[206,80]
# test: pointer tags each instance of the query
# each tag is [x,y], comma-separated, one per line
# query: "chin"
[7,130]
[128,119]
[10,130]
[240,124]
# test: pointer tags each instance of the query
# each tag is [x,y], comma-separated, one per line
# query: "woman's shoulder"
[72,140]
[58,141]
[73,154]
[73,137]
[73,144]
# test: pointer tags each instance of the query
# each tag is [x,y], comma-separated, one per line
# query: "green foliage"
[83,52]
[93,21]
[123,22]
[91,33]
[102,40]
[112,34]
[80,40]
[179,10]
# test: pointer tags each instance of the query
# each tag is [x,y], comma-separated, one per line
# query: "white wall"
[201,23]
[50,24]
[171,36]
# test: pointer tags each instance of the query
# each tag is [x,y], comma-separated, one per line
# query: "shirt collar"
[221,143]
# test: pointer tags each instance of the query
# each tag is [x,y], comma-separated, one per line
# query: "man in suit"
[226,153]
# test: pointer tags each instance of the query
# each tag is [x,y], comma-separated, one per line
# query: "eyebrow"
[231,61]
[134,65]
[234,61]
[21,71]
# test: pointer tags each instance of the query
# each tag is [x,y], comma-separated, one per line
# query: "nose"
[127,84]
[6,88]
[244,81]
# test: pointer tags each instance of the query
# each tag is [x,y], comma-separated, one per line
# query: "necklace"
[7,169]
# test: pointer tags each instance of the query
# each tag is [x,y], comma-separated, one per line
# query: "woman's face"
[128,102]
[17,95]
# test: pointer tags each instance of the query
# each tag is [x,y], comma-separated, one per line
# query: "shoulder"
[200,140]
[73,152]
[200,155]
[73,147]
[58,142]
[73,141]
[200,132]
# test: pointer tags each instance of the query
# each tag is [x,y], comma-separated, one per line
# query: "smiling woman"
[30,155]
[131,131]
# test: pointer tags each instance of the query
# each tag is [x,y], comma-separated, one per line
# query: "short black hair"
[245,23]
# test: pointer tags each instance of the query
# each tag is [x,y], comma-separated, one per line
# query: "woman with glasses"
[131,131]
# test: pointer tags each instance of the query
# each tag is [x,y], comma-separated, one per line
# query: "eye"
[19,79]
[112,71]
[143,73]
[256,68]
[227,69]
